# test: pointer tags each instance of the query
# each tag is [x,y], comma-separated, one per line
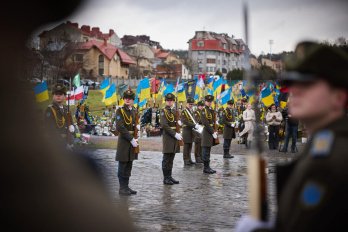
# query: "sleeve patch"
[322,144]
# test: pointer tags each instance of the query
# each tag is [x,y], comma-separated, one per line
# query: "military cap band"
[129,94]
[169,96]
[190,100]
[209,98]
[59,89]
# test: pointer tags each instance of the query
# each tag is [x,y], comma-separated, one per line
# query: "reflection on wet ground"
[201,202]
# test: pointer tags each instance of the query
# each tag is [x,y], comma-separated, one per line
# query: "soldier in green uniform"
[188,133]
[312,189]
[229,124]
[170,139]
[208,134]
[57,115]
[198,136]
[125,124]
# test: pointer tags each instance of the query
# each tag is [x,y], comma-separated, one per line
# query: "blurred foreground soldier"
[229,133]
[41,189]
[187,132]
[313,190]
[198,136]
[273,120]
[249,124]
[170,139]
[57,115]
[125,122]
[208,134]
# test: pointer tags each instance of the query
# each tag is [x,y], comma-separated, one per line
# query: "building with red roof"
[101,59]
[211,52]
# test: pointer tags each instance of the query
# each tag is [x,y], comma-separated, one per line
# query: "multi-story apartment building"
[210,52]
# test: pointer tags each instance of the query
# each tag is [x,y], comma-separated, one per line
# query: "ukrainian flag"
[143,89]
[217,86]
[267,97]
[225,97]
[110,95]
[104,86]
[181,93]
[41,92]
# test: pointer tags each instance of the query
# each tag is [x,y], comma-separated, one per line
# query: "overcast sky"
[174,22]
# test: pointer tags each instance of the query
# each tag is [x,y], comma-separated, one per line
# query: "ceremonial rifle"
[69,136]
[177,118]
[216,141]
[135,129]
[256,162]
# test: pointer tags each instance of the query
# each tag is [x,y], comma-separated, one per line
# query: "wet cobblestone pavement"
[201,202]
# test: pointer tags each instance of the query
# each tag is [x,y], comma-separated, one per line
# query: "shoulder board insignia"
[312,194]
[322,143]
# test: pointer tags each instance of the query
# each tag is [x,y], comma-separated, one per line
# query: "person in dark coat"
[198,136]
[208,134]
[187,132]
[312,189]
[228,121]
[125,124]
[57,115]
[170,139]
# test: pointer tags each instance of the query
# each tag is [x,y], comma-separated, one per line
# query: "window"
[101,65]
[78,57]
[200,43]
[200,53]
[211,61]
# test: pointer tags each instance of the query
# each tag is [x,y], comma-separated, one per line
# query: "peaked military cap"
[190,100]
[59,88]
[200,103]
[170,96]
[314,62]
[209,98]
[129,94]
[230,102]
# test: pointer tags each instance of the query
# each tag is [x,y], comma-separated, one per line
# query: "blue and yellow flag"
[217,86]
[225,96]
[110,95]
[143,90]
[267,97]
[104,86]
[181,93]
[41,92]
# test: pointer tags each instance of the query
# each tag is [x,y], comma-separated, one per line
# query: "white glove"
[217,122]
[179,122]
[215,135]
[134,142]
[138,127]
[71,129]
[196,126]
[247,223]
[178,136]
[232,124]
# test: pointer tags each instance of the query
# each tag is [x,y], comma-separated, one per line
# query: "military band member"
[188,133]
[229,124]
[56,115]
[198,137]
[170,139]
[208,134]
[125,123]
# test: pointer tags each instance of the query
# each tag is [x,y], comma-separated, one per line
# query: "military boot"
[187,163]
[227,155]
[171,178]
[167,180]
[129,189]
[191,161]
[123,191]
[207,168]
[198,159]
